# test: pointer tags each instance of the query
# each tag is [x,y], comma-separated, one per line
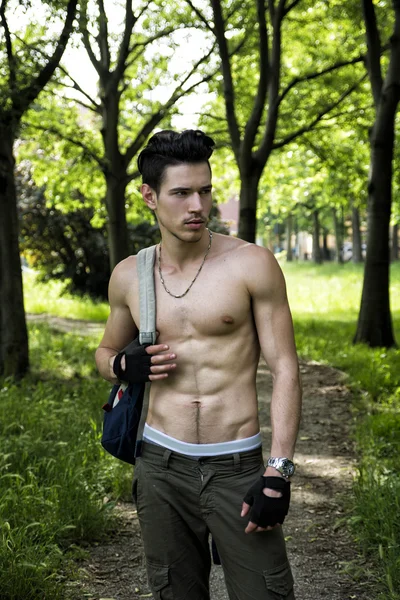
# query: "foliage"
[65,245]
[54,474]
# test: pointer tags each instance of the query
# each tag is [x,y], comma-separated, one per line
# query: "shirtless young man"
[219,301]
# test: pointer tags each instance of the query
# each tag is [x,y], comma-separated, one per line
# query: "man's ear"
[149,196]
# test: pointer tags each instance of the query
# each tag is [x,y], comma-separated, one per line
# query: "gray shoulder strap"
[147,298]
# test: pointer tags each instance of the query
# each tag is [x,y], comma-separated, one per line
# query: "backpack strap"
[147,297]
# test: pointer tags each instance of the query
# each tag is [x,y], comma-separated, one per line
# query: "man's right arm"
[121,329]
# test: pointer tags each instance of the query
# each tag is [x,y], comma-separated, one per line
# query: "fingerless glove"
[266,511]
[137,363]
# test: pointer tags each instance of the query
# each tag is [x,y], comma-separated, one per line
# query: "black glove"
[137,363]
[266,511]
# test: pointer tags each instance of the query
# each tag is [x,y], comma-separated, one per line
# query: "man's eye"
[180,193]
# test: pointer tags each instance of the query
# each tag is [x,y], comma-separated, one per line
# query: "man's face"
[184,201]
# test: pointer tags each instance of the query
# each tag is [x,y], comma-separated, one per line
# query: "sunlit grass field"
[50,298]
[50,426]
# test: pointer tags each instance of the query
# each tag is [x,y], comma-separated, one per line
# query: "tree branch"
[373,49]
[265,147]
[153,38]
[200,15]
[12,78]
[86,38]
[316,74]
[133,176]
[123,51]
[77,100]
[318,117]
[259,101]
[28,94]
[67,138]
[95,107]
[291,6]
[102,38]
[229,94]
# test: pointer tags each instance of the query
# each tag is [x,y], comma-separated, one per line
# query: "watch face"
[283,465]
[287,467]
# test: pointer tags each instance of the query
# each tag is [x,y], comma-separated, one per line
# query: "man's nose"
[195,204]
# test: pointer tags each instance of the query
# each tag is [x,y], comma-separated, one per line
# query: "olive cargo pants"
[180,500]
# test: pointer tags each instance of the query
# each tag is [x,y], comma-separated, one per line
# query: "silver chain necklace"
[196,276]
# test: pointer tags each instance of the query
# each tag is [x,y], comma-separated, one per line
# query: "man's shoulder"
[259,267]
[247,251]
[123,276]
[127,265]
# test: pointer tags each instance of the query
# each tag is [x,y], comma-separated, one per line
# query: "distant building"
[230,214]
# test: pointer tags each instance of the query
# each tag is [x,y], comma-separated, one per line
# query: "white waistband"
[162,439]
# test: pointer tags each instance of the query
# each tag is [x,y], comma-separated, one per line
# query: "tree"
[125,112]
[374,321]
[258,86]
[26,77]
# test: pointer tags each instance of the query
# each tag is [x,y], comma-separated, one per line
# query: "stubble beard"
[182,239]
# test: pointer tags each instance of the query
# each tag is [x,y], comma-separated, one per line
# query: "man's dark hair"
[168,148]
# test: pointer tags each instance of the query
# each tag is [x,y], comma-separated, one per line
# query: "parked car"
[347,251]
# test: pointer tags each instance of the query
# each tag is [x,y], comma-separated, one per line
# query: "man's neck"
[178,253]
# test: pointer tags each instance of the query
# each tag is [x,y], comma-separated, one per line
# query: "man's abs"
[211,396]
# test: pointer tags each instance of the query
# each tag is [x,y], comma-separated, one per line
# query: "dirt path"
[322,553]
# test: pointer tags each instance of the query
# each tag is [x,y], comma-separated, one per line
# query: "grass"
[50,298]
[55,479]
[325,302]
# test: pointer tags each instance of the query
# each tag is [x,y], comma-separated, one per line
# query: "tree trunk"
[375,322]
[338,236]
[357,248]
[326,255]
[316,249]
[116,226]
[248,208]
[289,230]
[14,352]
[394,252]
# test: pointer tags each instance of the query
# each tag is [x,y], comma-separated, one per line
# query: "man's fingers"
[156,377]
[251,527]
[245,509]
[157,348]
[254,528]
[162,368]
[160,359]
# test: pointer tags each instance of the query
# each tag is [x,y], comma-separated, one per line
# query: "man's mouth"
[195,223]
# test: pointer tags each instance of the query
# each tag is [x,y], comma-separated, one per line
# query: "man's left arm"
[274,326]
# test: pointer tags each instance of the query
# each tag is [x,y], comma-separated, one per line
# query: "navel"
[228,320]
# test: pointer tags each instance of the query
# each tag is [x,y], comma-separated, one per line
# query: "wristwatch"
[284,465]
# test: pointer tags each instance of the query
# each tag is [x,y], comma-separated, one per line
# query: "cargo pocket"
[279,582]
[159,581]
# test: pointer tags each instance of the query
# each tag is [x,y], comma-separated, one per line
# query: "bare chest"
[218,304]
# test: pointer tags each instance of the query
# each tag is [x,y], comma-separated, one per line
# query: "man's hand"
[267,501]
[138,364]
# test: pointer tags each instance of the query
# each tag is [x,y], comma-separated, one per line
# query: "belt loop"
[165,458]
[236,462]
